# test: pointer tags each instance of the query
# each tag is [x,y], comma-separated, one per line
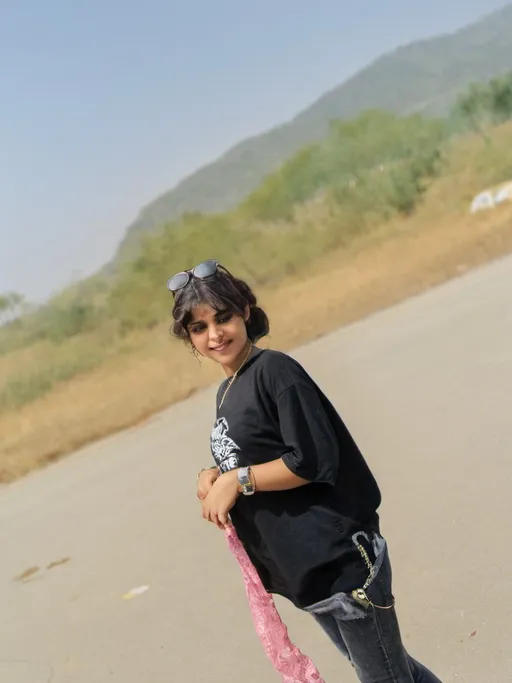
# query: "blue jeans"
[364,627]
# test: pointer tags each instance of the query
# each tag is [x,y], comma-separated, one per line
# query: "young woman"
[291,479]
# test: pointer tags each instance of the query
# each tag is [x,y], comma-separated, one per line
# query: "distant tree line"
[406,149]
[12,305]
[485,104]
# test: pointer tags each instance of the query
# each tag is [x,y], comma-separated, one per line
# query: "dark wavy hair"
[223,292]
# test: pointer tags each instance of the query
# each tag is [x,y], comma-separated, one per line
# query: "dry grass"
[341,288]
[397,261]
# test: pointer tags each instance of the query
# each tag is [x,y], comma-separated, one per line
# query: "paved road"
[426,389]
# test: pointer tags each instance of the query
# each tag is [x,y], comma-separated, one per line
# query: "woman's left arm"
[275,476]
[269,476]
[312,454]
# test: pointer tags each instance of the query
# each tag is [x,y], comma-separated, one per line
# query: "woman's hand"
[220,500]
[205,481]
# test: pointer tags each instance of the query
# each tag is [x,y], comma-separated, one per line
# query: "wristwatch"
[244,479]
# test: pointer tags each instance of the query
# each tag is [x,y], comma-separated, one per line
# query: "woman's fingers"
[219,519]
[223,519]
[205,485]
[215,520]
[205,482]
[203,491]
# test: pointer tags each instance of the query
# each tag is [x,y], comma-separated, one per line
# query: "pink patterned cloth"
[287,659]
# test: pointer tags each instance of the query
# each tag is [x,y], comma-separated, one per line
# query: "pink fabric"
[287,659]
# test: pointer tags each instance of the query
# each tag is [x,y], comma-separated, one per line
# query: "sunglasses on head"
[201,271]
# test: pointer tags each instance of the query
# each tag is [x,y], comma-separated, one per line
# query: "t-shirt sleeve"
[308,434]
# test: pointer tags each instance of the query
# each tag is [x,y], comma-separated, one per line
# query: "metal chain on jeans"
[360,593]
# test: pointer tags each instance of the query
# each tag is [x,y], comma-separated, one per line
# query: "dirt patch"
[27,574]
[58,563]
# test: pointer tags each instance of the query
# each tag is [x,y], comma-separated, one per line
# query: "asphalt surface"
[425,387]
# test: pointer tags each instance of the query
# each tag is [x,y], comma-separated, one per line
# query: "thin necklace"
[234,376]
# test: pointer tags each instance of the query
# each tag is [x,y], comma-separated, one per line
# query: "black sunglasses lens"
[205,269]
[177,281]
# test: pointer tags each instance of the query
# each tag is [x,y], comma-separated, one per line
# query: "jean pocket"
[341,606]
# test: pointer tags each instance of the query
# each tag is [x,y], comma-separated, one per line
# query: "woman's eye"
[196,330]
[222,319]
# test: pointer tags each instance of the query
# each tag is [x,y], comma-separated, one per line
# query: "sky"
[105,104]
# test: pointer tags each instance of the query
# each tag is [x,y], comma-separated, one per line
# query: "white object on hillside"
[488,199]
[504,194]
[484,200]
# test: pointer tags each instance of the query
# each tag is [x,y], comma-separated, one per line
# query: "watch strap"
[244,479]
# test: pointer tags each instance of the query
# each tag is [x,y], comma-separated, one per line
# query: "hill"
[424,76]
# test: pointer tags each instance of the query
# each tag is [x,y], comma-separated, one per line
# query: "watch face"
[245,482]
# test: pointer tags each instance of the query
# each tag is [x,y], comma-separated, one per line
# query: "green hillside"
[424,77]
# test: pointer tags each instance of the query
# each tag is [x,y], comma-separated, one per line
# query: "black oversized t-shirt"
[300,541]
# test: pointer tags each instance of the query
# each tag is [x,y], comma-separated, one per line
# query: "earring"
[196,355]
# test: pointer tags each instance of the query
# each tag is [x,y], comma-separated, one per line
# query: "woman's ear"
[247,313]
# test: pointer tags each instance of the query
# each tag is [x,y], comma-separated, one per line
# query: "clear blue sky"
[107,103]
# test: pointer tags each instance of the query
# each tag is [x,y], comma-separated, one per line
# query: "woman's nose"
[214,333]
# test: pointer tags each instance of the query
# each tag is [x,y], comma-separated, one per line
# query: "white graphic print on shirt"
[223,447]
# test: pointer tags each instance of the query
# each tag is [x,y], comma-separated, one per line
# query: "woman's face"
[219,335]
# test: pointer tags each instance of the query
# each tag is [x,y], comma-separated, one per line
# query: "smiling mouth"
[220,347]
